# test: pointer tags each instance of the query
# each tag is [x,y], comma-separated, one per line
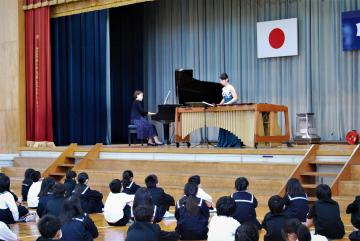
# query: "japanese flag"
[277,38]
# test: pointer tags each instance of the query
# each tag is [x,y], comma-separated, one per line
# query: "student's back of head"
[127,177]
[47,186]
[151,181]
[35,176]
[195,179]
[323,192]
[59,190]
[70,175]
[82,179]
[4,183]
[71,208]
[225,206]
[294,188]
[247,232]
[241,184]
[28,173]
[293,229]
[276,204]
[49,227]
[191,202]
[143,213]
[115,186]
[142,197]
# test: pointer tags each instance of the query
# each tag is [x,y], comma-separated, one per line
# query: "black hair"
[70,174]
[81,186]
[35,176]
[223,76]
[151,181]
[28,173]
[127,176]
[191,202]
[115,186]
[71,208]
[4,183]
[195,179]
[47,186]
[136,93]
[143,213]
[241,183]
[294,226]
[323,192]
[225,206]
[59,190]
[294,188]
[48,226]
[276,204]
[247,232]
[142,197]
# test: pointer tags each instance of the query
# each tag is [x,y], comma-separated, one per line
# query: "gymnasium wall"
[12,92]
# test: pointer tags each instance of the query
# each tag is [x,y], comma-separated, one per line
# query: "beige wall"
[12,107]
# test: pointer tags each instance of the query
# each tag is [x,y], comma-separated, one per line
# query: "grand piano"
[188,89]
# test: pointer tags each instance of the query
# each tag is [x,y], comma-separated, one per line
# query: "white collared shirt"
[7,201]
[203,195]
[6,233]
[114,206]
[222,228]
[34,190]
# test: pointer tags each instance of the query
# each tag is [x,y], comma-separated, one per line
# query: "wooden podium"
[254,124]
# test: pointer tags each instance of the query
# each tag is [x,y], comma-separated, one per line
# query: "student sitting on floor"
[354,210]
[296,200]
[46,194]
[159,197]
[192,215]
[69,183]
[294,230]
[129,186]
[223,226]
[49,227]
[75,224]
[34,190]
[325,215]
[201,193]
[6,234]
[91,200]
[55,204]
[26,183]
[275,219]
[144,229]
[247,232]
[10,210]
[246,203]
[143,197]
[117,210]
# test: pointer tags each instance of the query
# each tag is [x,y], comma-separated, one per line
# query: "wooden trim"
[92,155]
[53,168]
[21,73]
[303,166]
[345,173]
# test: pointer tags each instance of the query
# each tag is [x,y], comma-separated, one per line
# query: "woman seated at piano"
[145,130]
[226,138]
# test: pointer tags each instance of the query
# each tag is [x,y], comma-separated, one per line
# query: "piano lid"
[189,89]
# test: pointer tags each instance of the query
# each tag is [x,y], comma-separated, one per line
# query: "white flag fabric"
[277,38]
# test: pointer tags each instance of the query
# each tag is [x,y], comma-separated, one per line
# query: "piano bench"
[132,131]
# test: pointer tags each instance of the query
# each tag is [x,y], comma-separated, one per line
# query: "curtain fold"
[38,77]
[214,36]
[79,78]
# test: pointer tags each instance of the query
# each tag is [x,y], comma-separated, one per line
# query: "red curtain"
[38,75]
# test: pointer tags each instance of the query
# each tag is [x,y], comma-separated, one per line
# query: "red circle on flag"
[276,38]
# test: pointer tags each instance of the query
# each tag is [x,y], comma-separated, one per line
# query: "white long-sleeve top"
[6,234]
[7,201]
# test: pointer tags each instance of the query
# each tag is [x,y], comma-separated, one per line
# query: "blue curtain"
[80,65]
[214,36]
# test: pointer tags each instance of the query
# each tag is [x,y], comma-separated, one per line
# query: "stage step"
[18,171]
[327,162]
[33,162]
[319,174]
[355,172]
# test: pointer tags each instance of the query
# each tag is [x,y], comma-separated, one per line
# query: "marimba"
[252,123]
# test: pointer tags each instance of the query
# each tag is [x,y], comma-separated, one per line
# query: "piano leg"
[166,133]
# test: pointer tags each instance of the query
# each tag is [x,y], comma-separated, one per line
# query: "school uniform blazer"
[91,201]
[139,231]
[354,209]
[160,198]
[69,187]
[297,206]
[131,188]
[245,208]
[25,186]
[273,224]
[54,206]
[80,228]
[42,204]
[326,218]
[355,236]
